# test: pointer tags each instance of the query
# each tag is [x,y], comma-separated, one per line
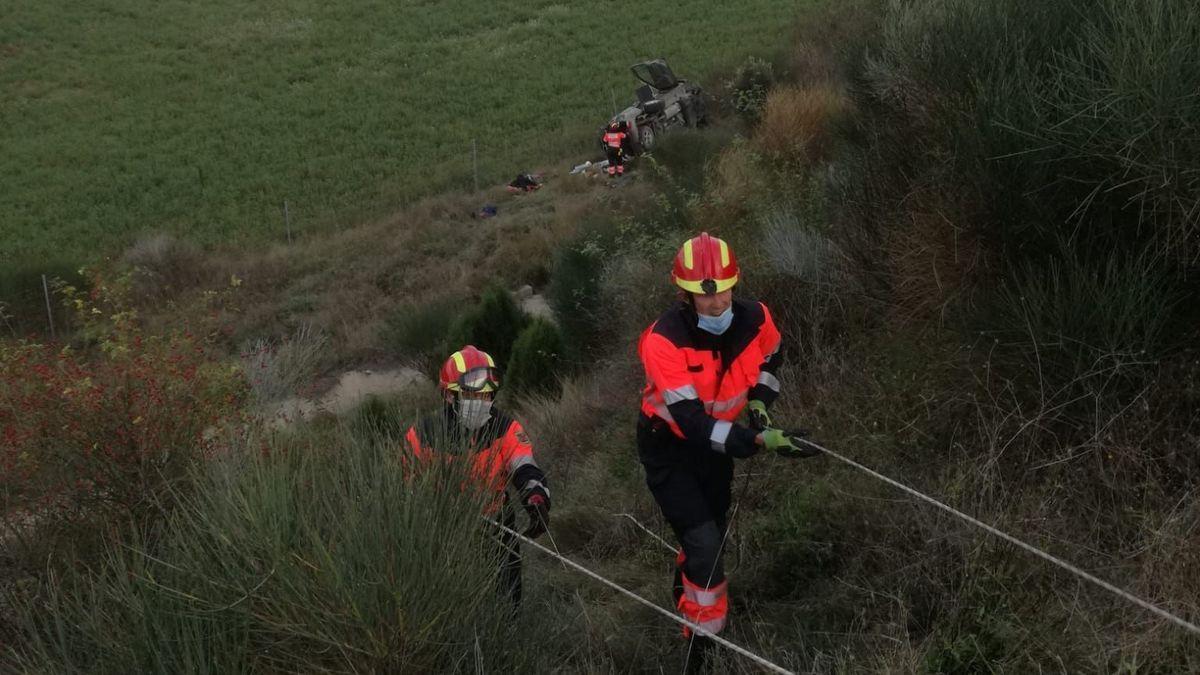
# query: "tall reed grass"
[321,553]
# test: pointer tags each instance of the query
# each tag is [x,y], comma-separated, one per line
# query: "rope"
[1121,593]
[634,596]
[648,531]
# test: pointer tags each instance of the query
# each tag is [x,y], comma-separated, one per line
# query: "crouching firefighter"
[500,451]
[706,359]
[614,141]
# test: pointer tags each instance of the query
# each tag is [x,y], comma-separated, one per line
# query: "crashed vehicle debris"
[663,102]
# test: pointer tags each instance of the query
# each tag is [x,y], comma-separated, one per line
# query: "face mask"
[716,324]
[473,413]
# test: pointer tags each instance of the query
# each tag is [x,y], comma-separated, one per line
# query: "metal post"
[287,221]
[49,312]
[612,93]
[475,162]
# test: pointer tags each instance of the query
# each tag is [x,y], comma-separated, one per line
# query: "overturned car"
[663,102]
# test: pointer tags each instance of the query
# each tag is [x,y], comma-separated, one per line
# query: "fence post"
[287,221]
[49,312]
[475,163]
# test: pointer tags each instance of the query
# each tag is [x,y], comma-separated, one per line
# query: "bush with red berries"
[114,419]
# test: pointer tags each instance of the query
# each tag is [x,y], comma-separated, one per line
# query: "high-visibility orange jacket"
[500,452]
[698,383]
[614,139]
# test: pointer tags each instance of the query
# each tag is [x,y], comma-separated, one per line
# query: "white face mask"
[717,325]
[473,413]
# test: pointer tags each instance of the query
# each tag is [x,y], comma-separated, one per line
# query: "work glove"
[790,444]
[760,419]
[538,509]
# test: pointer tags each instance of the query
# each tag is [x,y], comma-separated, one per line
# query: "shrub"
[1118,112]
[420,331]
[492,325]
[634,291]
[736,187]
[799,125]
[537,365]
[278,370]
[1075,118]
[163,265]
[379,417]
[685,155]
[319,553]
[805,282]
[748,88]
[830,41]
[87,433]
[574,294]
[795,245]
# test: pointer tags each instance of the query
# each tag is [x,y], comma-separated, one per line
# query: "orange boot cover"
[706,607]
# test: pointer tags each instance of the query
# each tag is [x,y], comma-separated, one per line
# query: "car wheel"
[646,138]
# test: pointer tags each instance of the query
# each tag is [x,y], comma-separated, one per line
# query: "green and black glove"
[789,444]
[760,419]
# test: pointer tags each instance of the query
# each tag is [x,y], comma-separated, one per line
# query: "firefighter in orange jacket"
[501,453]
[706,359]
[614,141]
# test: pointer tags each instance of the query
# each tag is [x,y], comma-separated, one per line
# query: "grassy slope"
[123,116]
[833,572]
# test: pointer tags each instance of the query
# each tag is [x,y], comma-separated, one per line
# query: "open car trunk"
[655,73]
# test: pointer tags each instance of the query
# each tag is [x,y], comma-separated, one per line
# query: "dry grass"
[799,124]
[827,44]
[734,186]
[585,439]
[344,284]
[934,255]
[278,370]
[812,65]
[1108,496]
[639,289]
[164,266]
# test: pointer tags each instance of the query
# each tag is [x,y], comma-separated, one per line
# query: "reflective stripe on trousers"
[706,607]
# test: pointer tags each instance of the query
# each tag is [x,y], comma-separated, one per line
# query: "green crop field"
[119,117]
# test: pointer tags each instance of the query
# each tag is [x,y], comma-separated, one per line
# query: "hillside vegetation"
[975,223]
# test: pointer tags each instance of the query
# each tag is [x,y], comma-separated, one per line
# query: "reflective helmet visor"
[479,379]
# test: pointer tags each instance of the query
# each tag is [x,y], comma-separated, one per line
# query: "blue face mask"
[716,324]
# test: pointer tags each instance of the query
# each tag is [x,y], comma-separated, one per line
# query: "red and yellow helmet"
[705,265]
[469,369]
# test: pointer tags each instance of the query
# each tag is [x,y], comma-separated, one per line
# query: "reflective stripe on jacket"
[500,451]
[699,383]
[613,139]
